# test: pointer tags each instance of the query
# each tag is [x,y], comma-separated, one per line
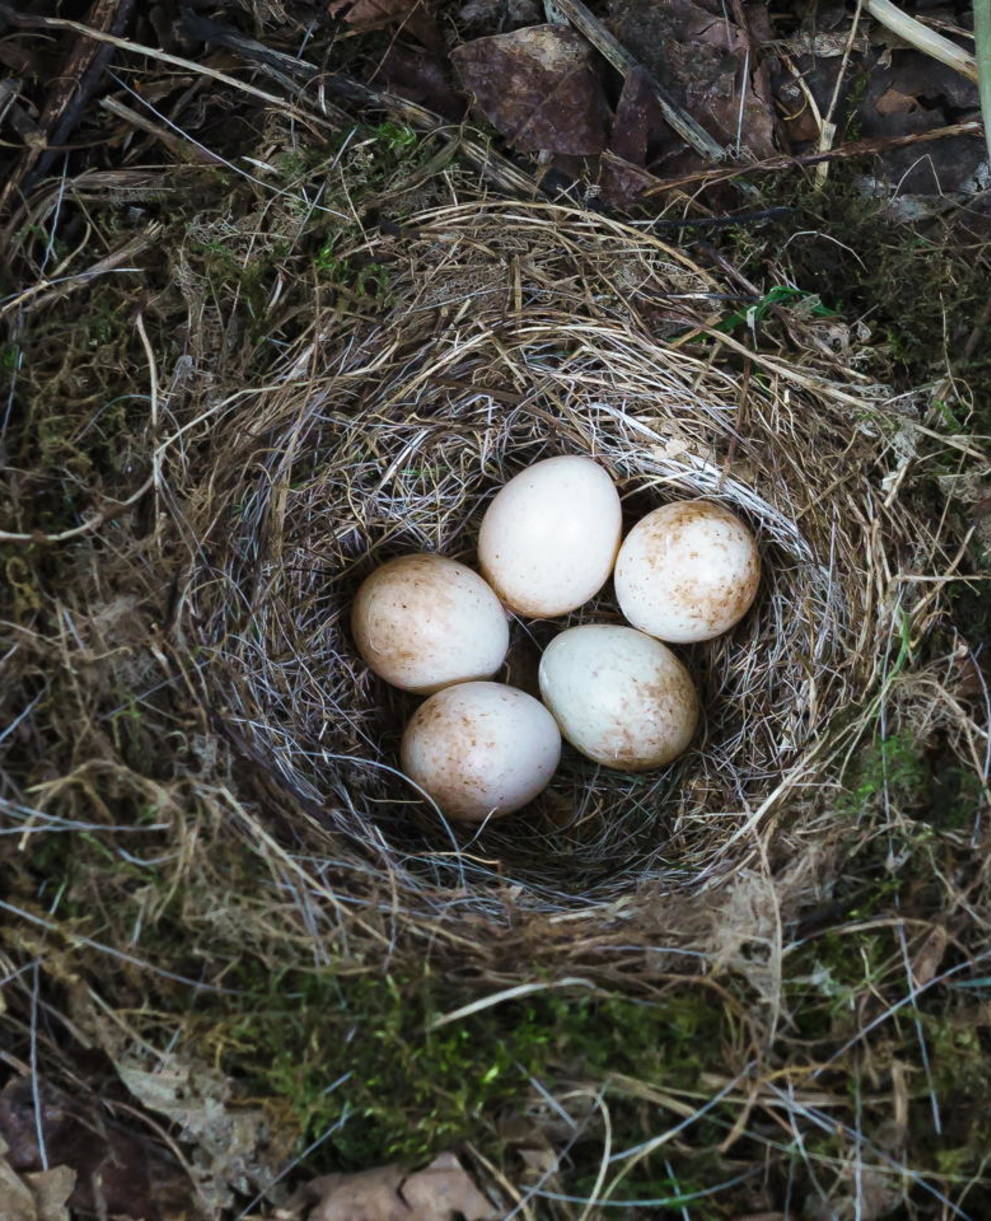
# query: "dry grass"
[189,718]
[513,333]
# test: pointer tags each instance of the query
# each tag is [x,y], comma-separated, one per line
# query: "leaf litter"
[42,1196]
[442,1191]
[538,87]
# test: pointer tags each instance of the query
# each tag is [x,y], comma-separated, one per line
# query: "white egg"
[423,622]
[481,749]
[620,697]
[688,571]
[548,540]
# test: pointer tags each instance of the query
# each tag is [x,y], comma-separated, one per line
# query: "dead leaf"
[440,1192]
[17,1198]
[541,1161]
[51,1190]
[230,1143]
[421,77]
[928,957]
[702,58]
[414,17]
[538,87]
[635,113]
[893,101]
[106,1166]
[635,125]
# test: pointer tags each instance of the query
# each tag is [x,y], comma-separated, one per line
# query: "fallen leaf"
[635,128]
[538,87]
[51,1190]
[542,1161]
[893,101]
[413,16]
[106,1167]
[927,959]
[440,1192]
[702,58]
[421,77]
[230,1144]
[635,114]
[17,1199]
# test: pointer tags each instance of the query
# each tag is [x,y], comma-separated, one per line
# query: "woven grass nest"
[508,333]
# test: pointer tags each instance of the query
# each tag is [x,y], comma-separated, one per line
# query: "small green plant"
[396,136]
[780,294]
[891,767]
[361,278]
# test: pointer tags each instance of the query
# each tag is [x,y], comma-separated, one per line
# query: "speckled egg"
[481,749]
[619,696]
[423,622]
[686,572]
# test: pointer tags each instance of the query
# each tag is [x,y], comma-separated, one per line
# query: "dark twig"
[70,91]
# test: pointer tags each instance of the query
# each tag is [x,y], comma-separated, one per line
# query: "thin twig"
[827,128]
[183,150]
[855,148]
[177,61]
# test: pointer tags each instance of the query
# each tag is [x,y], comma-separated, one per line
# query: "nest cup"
[510,334]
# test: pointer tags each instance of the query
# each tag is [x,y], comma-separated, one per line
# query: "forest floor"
[183,190]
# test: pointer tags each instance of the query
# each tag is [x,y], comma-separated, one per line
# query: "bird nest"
[499,334]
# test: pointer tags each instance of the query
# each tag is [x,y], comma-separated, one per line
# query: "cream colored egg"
[687,571]
[620,697]
[548,540]
[423,622]
[481,749]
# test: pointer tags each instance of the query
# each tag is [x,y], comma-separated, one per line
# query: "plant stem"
[982,52]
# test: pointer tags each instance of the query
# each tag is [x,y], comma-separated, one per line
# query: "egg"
[423,622]
[619,696]
[688,571]
[548,540]
[481,749]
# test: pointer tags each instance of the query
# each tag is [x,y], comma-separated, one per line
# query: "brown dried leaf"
[421,77]
[636,111]
[413,16]
[929,956]
[51,1190]
[538,87]
[42,1196]
[112,1169]
[440,1192]
[15,1193]
[893,101]
[230,1142]
[700,55]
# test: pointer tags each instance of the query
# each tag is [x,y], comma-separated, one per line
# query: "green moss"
[892,769]
[409,1090]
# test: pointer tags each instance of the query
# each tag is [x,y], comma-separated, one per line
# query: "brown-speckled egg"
[620,697]
[481,749]
[688,571]
[423,622]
